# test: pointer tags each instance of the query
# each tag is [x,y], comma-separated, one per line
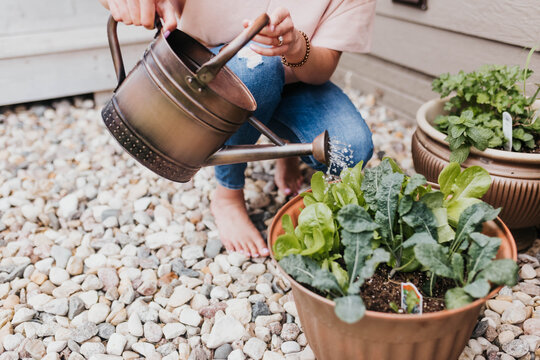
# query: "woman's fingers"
[120,12]
[148,13]
[167,12]
[271,51]
[277,17]
[134,11]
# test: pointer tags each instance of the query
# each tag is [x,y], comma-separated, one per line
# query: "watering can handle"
[114,45]
[210,69]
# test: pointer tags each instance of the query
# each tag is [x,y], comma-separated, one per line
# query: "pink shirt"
[343,25]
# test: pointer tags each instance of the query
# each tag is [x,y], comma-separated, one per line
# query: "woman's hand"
[142,12]
[281,35]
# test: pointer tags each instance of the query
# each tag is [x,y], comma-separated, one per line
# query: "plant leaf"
[387,203]
[421,219]
[460,154]
[357,249]
[458,267]
[344,194]
[318,186]
[318,216]
[483,249]
[447,177]
[354,218]
[419,238]
[341,275]
[373,181]
[350,308]
[367,271]
[473,182]
[435,258]
[313,242]
[286,244]
[301,268]
[477,289]
[456,298]
[416,181]
[472,219]
[501,272]
[287,224]
[326,281]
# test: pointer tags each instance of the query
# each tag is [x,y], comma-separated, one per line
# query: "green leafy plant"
[475,109]
[348,228]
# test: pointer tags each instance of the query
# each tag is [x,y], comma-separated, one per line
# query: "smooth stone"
[516,348]
[56,307]
[67,206]
[236,355]
[213,248]
[219,293]
[499,306]
[527,272]
[532,340]
[105,330]
[61,256]
[532,326]
[35,348]
[180,296]
[263,333]
[223,352]
[152,332]
[239,309]
[173,330]
[225,330]
[289,347]
[290,331]
[135,326]
[84,332]
[98,313]
[58,275]
[11,342]
[192,252]
[307,354]
[108,277]
[254,348]
[514,314]
[116,344]
[270,355]
[190,317]
[505,337]
[236,259]
[92,348]
[290,307]
[22,315]
[76,306]
[260,308]
[144,348]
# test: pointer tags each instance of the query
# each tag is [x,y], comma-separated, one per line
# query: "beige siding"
[411,47]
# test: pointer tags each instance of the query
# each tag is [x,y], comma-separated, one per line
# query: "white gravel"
[102,259]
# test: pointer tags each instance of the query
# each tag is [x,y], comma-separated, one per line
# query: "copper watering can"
[177,107]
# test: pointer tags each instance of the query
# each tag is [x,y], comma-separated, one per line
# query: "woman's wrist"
[297,50]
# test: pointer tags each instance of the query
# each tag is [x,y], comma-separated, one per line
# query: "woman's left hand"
[281,35]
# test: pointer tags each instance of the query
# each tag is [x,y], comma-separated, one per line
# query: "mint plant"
[348,228]
[475,109]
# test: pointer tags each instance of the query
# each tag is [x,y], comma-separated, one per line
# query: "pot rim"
[438,136]
[377,314]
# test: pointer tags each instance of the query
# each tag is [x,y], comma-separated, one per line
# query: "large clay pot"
[380,336]
[515,176]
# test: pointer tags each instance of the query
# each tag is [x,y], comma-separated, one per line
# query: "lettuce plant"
[348,228]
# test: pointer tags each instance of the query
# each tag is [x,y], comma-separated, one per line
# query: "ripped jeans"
[297,112]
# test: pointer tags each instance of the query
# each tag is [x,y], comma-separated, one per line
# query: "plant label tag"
[507,131]
[411,299]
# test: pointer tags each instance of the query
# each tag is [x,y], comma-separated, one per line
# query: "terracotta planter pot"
[381,336]
[516,176]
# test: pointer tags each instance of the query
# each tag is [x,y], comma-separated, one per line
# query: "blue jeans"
[296,112]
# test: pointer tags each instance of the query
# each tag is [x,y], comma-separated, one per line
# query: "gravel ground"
[102,259]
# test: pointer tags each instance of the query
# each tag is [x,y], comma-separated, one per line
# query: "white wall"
[55,48]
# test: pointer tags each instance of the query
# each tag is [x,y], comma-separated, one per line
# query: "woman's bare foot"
[288,177]
[236,230]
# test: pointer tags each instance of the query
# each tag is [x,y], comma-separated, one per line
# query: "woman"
[300,49]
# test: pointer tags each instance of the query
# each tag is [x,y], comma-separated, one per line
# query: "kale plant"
[475,109]
[348,228]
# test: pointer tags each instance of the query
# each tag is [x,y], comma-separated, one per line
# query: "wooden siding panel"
[508,21]
[434,51]
[35,16]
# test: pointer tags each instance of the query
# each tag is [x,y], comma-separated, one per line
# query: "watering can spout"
[319,148]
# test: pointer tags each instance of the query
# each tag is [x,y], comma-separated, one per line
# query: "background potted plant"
[466,126]
[338,243]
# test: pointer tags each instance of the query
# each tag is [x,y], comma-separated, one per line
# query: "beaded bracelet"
[306,56]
